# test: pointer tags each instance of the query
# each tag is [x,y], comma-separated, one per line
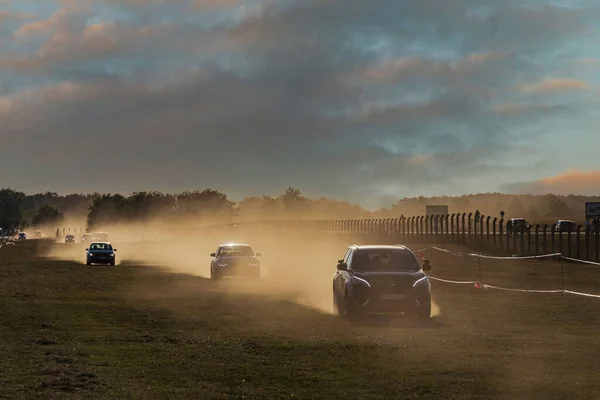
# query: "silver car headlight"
[253,264]
[221,265]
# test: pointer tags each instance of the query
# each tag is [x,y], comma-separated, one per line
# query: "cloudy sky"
[367,101]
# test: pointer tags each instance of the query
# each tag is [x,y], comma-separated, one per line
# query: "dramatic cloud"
[363,101]
[570,182]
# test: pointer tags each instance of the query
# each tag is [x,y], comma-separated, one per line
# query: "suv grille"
[391,287]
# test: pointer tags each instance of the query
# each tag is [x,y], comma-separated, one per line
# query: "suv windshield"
[100,246]
[384,260]
[235,251]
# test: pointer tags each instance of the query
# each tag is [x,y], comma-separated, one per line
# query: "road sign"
[592,210]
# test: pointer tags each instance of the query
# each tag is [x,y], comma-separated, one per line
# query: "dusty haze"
[297,268]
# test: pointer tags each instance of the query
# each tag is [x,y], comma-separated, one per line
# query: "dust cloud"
[294,267]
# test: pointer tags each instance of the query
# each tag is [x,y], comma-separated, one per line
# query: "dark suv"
[517,225]
[381,279]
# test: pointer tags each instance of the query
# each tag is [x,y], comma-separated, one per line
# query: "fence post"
[464,228]
[578,242]
[587,243]
[537,241]
[597,237]
[501,233]
[522,242]
[494,232]
[487,229]
[553,243]
[480,227]
[452,227]
[469,227]
[514,234]
[402,228]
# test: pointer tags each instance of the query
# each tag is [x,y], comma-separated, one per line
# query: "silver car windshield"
[235,251]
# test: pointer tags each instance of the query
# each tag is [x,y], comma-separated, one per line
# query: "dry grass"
[71,331]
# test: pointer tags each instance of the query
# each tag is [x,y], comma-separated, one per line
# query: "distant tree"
[515,208]
[556,207]
[106,209]
[293,201]
[208,202]
[47,215]
[11,211]
[269,207]
[462,204]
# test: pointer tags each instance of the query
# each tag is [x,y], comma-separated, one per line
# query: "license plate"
[392,296]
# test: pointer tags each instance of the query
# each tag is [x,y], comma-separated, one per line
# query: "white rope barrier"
[486,286]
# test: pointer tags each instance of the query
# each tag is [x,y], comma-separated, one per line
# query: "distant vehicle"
[22,236]
[381,279]
[95,237]
[70,239]
[100,236]
[234,260]
[100,253]
[564,225]
[517,225]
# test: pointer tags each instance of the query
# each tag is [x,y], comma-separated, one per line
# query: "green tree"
[11,210]
[204,203]
[293,201]
[47,215]
[106,209]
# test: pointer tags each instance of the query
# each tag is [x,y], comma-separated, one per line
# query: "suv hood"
[391,276]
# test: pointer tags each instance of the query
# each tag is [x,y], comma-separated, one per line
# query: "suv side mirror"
[342,266]
[426,265]
[114,249]
[87,249]
[213,254]
[258,254]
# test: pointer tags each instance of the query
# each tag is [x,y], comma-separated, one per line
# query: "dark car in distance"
[565,225]
[70,238]
[381,280]
[234,260]
[100,253]
[517,225]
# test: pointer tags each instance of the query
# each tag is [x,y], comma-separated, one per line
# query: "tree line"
[38,211]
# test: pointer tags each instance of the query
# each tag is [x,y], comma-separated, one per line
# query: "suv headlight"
[359,281]
[421,283]
[91,254]
[253,264]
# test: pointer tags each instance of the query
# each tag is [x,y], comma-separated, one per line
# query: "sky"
[363,101]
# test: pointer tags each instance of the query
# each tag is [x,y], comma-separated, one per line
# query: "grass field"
[131,331]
